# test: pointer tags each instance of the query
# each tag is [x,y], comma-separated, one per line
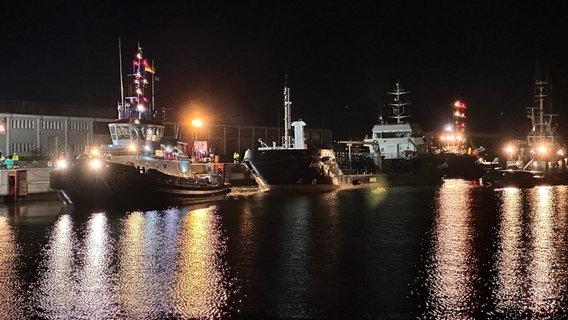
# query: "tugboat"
[141,168]
[541,157]
[293,165]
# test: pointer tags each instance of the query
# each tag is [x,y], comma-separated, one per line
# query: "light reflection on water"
[532,257]
[165,264]
[454,251]
[520,271]
[451,264]
[202,282]
[11,304]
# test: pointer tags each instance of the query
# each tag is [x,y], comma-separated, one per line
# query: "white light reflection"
[11,304]
[76,282]
[131,289]
[510,282]
[545,283]
[57,294]
[451,271]
[147,253]
[202,286]
[532,259]
[94,285]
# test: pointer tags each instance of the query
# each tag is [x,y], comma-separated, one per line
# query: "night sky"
[227,61]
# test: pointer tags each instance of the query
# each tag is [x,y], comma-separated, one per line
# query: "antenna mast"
[398,103]
[120,66]
[287,115]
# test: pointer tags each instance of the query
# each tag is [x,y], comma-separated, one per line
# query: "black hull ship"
[293,165]
[311,168]
[140,169]
[92,183]
[461,166]
[504,178]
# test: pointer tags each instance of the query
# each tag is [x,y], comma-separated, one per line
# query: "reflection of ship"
[293,165]
[542,154]
[141,168]
[456,149]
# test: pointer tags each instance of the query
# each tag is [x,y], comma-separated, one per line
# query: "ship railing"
[358,172]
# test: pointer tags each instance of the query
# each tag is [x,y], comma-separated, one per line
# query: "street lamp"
[510,151]
[196,123]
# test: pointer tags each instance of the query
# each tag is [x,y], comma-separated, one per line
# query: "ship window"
[391,135]
[122,133]
[113,133]
[377,135]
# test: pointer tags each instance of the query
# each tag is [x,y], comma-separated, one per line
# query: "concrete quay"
[25,183]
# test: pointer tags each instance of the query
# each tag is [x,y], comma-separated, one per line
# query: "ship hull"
[462,166]
[512,178]
[116,185]
[293,169]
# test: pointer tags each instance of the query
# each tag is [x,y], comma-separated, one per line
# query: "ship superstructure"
[398,139]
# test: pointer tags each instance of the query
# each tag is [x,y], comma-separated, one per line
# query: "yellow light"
[509,149]
[542,149]
[95,152]
[96,164]
[132,147]
[61,163]
[560,152]
[196,123]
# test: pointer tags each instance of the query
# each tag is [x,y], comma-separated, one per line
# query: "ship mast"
[286,144]
[120,67]
[398,103]
[138,105]
[541,122]
[140,83]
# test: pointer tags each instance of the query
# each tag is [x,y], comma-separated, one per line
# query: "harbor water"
[451,251]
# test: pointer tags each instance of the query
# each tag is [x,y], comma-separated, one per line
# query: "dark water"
[454,251]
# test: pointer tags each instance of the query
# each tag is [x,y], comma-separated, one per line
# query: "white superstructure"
[394,140]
